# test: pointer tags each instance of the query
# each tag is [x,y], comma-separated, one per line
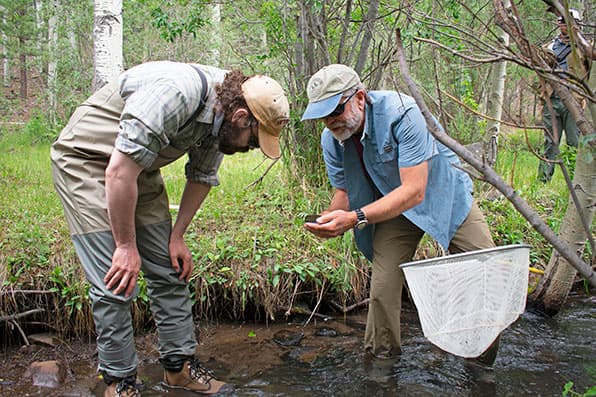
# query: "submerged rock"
[287,338]
[326,331]
[46,373]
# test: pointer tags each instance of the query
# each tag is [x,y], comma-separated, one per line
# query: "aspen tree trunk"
[557,282]
[217,38]
[5,63]
[495,105]
[39,29]
[52,55]
[23,75]
[107,41]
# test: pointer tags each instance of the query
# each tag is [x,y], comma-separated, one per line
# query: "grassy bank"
[252,257]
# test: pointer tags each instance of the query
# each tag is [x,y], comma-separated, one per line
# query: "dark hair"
[229,92]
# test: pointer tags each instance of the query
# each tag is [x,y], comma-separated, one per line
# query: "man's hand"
[181,258]
[332,224]
[123,275]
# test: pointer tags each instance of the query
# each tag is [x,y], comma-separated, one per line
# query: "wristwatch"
[362,221]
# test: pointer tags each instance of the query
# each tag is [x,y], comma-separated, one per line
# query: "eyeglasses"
[253,141]
[341,107]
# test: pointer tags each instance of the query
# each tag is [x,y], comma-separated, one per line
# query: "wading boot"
[126,387]
[193,377]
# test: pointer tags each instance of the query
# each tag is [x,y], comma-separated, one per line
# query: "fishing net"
[465,301]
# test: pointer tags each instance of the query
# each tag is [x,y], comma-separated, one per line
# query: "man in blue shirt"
[393,183]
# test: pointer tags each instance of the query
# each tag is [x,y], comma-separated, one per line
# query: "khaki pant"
[395,242]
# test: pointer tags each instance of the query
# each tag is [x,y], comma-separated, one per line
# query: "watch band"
[362,222]
[360,214]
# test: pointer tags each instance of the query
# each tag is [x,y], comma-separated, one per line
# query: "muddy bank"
[538,356]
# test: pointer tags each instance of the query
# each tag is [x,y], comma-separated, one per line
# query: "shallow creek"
[538,356]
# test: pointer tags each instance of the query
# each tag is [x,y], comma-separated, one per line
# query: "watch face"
[361,224]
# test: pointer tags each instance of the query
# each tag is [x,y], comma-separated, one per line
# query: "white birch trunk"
[39,25]
[107,41]
[494,106]
[216,34]
[5,63]
[52,54]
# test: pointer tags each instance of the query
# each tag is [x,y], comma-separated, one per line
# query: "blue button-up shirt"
[395,136]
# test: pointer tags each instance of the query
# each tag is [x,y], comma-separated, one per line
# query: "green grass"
[251,254]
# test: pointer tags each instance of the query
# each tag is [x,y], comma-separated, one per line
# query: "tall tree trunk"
[39,32]
[555,285]
[52,55]
[494,105]
[23,70]
[21,12]
[107,41]
[5,63]
[369,23]
[216,37]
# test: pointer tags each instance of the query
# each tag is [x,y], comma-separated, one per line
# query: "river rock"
[46,373]
[286,337]
[326,331]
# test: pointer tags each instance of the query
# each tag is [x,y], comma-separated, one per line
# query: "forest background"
[252,257]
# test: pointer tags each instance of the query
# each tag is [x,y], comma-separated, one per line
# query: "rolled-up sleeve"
[148,113]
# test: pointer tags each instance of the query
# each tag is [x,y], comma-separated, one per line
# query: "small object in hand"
[312,218]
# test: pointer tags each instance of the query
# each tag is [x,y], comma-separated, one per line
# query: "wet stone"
[326,331]
[46,373]
[287,338]
[258,383]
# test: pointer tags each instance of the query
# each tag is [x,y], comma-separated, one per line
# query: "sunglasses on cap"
[341,107]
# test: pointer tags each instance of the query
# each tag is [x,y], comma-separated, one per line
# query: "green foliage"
[568,391]
[74,293]
[172,26]
[569,154]
[39,129]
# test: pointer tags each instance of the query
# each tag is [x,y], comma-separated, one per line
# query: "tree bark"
[53,55]
[369,23]
[107,42]
[5,63]
[559,276]
[494,105]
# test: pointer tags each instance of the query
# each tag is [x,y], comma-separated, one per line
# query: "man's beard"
[346,128]
[228,137]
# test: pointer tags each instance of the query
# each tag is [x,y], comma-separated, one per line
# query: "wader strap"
[203,98]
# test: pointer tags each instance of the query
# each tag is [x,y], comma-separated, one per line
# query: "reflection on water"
[537,357]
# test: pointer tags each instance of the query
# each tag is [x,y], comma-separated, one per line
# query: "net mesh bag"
[465,301]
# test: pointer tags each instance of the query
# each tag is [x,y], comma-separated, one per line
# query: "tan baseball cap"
[268,103]
[326,87]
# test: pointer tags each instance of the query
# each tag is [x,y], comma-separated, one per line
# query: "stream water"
[537,357]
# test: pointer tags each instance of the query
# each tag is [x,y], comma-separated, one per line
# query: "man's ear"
[241,118]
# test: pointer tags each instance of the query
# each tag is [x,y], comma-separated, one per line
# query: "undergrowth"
[252,257]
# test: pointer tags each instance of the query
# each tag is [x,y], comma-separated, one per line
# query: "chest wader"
[79,160]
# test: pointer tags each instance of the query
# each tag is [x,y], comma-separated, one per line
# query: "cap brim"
[318,110]
[269,142]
